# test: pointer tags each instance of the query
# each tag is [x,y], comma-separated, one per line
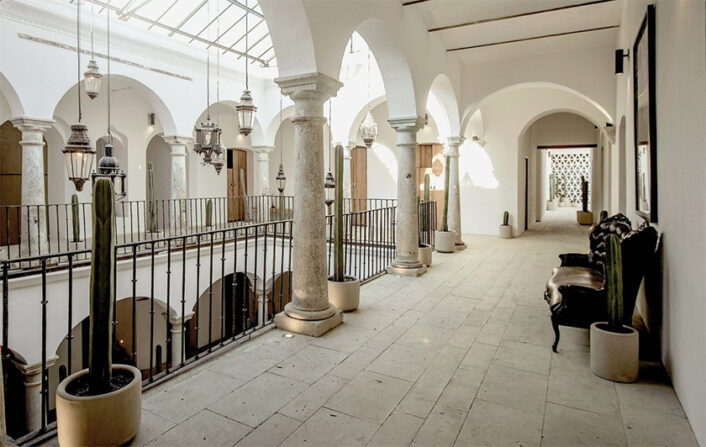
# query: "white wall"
[681,114]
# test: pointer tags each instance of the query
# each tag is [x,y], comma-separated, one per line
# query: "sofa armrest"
[575,260]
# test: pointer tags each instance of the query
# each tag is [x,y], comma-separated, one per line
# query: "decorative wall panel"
[568,167]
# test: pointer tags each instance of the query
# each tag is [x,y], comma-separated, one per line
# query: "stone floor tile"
[204,428]
[645,428]
[425,337]
[489,424]
[397,431]
[403,362]
[309,364]
[523,356]
[408,319]
[369,396]
[184,399]
[649,395]
[259,399]
[328,428]
[345,338]
[514,388]
[570,426]
[582,389]
[151,427]
[479,356]
[464,336]
[356,362]
[386,337]
[445,319]
[271,432]
[306,404]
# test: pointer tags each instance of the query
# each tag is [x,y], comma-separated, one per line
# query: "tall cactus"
[614,283]
[101,292]
[445,215]
[338,270]
[506,218]
[604,215]
[584,194]
[425,210]
[209,213]
[552,186]
[243,190]
[151,206]
[76,225]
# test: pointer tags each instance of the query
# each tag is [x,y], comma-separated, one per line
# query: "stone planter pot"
[345,295]
[425,254]
[505,231]
[445,241]
[107,419]
[615,356]
[551,205]
[584,217]
[564,203]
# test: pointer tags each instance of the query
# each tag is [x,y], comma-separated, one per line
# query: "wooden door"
[431,160]
[359,181]
[236,161]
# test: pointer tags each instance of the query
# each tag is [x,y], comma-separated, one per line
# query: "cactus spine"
[151,206]
[584,194]
[614,283]
[76,225]
[445,215]
[506,218]
[101,291]
[209,213]
[338,274]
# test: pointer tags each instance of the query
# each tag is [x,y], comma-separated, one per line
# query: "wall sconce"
[619,56]
[151,118]
[478,141]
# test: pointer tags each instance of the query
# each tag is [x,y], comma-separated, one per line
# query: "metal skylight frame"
[261,49]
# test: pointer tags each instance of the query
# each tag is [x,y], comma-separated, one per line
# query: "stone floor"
[460,356]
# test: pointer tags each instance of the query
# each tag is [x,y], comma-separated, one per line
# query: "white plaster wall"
[681,113]
[158,152]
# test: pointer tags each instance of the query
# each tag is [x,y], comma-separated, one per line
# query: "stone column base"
[460,245]
[406,271]
[312,328]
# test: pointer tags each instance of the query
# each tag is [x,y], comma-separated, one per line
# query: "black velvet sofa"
[576,291]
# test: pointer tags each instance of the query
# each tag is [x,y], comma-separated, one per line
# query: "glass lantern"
[217,162]
[246,113]
[109,167]
[281,179]
[92,78]
[329,189]
[368,130]
[78,155]
[208,140]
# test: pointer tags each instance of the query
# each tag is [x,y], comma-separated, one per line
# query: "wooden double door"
[359,182]
[431,160]
[236,162]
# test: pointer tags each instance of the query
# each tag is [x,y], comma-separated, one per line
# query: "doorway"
[237,162]
[359,182]
[431,160]
[526,193]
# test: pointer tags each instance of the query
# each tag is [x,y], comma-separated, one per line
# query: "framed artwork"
[644,121]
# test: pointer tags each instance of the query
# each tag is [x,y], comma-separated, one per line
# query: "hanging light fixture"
[108,166]
[329,182]
[92,77]
[217,161]
[369,128]
[246,109]
[78,152]
[208,134]
[281,178]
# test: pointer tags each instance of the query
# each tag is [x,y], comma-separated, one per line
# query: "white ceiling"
[501,29]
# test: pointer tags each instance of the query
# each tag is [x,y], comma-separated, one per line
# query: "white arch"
[355,125]
[274,125]
[9,93]
[444,91]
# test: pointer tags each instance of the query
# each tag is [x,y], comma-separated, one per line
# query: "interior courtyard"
[353,222]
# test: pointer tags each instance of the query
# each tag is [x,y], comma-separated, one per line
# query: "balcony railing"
[178,298]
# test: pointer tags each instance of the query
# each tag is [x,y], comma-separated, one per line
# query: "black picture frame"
[645,118]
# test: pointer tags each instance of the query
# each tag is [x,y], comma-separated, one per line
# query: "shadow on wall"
[476,167]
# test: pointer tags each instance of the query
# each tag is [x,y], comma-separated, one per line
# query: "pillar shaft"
[33,224]
[454,217]
[178,178]
[32,374]
[347,192]
[178,345]
[262,169]
[309,312]
[407,225]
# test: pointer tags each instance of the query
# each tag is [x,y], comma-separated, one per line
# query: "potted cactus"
[505,227]
[445,240]
[151,214]
[100,405]
[75,223]
[553,193]
[615,346]
[425,250]
[563,200]
[343,291]
[584,216]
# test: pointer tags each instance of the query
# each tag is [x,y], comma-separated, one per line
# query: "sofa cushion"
[572,276]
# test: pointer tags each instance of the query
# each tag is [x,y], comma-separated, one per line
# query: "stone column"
[262,169]
[407,226]
[309,312]
[33,224]
[177,345]
[347,173]
[178,178]
[454,216]
[32,374]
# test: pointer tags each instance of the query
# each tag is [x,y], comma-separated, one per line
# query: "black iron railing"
[427,222]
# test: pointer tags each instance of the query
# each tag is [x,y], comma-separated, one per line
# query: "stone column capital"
[407,124]
[179,140]
[263,149]
[456,141]
[28,124]
[33,369]
[312,86]
[175,320]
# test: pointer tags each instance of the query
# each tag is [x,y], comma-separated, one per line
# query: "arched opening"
[158,153]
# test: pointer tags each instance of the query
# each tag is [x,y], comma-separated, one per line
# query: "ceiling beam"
[413,2]
[544,36]
[524,14]
[246,8]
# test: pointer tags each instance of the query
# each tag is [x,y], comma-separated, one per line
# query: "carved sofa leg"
[555,325]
